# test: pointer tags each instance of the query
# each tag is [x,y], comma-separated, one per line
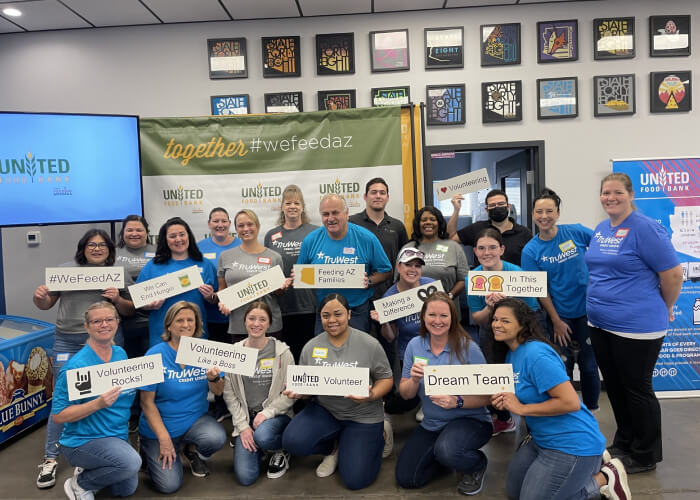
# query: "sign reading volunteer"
[165,286]
[328,380]
[252,288]
[128,374]
[468,380]
[329,275]
[405,303]
[207,353]
[84,278]
[463,184]
[510,283]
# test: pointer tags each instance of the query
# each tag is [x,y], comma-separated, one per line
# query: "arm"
[452,223]
[389,331]
[562,332]
[76,412]
[563,399]
[43,299]
[376,277]
[671,282]
[167,454]
[380,389]
[124,306]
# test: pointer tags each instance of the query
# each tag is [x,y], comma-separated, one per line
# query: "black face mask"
[498,214]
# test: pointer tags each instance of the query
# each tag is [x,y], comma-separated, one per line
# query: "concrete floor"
[677,478]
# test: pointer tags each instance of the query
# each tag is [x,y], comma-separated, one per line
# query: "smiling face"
[178,241]
[135,234]
[101,325]
[438,318]
[292,209]
[246,228]
[256,323]
[410,272]
[219,225]
[489,252]
[335,318]
[428,225]
[545,214]
[615,199]
[184,325]
[377,197]
[96,251]
[506,327]
[334,217]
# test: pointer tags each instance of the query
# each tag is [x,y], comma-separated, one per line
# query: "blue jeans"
[268,437]
[359,319]
[314,431]
[206,434]
[108,461]
[455,446]
[539,474]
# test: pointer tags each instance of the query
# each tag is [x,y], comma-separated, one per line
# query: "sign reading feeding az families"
[207,353]
[166,286]
[84,278]
[328,380]
[252,288]
[405,303]
[463,184]
[510,283]
[329,275]
[98,379]
[468,380]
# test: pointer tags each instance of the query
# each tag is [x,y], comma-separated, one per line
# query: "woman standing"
[174,415]
[631,262]
[454,427]
[259,410]
[560,250]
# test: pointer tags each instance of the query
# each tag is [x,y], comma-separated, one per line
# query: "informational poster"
[668,190]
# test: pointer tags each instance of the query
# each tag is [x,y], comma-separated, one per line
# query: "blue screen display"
[63,168]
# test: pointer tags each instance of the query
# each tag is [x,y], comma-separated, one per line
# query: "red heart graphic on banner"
[444,189]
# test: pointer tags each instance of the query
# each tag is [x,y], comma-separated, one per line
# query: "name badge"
[210,255]
[276,236]
[622,232]
[150,255]
[418,359]
[320,352]
[442,248]
[267,363]
[566,246]
[349,251]
[264,260]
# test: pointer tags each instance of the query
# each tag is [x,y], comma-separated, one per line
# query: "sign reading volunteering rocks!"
[166,286]
[328,380]
[84,278]
[463,184]
[468,380]
[405,303]
[252,288]
[207,353]
[329,276]
[510,283]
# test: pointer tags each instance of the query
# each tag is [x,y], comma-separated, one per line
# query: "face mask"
[498,214]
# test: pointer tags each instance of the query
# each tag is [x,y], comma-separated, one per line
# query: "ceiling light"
[12,12]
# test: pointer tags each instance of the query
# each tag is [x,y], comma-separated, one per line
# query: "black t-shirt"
[514,239]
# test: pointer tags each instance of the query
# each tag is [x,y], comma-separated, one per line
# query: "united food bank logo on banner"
[261,194]
[349,190]
[184,197]
[31,169]
[664,180]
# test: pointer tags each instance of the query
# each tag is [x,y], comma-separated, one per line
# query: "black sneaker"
[197,465]
[472,482]
[279,463]
[220,410]
[634,467]
[616,452]
[47,474]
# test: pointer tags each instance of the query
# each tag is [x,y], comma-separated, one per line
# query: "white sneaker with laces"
[74,491]
[47,474]
[388,439]
[328,465]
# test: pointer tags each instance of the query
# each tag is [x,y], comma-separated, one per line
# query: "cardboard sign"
[468,380]
[463,184]
[166,286]
[509,283]
[60,279]
[207,353]
[252,288]
[405,303]
[328,380]
[127,374]
[329,275]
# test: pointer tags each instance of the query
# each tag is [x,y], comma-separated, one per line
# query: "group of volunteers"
[592,275]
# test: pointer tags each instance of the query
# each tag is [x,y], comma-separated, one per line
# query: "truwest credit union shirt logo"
[183,196]
[568,251]
[34,170]
[610,245]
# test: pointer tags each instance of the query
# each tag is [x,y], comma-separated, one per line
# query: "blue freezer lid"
[14,327]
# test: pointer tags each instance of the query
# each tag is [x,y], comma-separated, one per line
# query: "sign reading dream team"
[468,380]
[207,353]
[328,380]
[510,283]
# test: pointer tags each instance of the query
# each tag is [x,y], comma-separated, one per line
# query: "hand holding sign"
[507,401]
[108,398]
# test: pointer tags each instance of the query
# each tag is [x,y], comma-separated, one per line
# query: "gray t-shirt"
[287,243]
[360,351]
[235,265]
[257,387]
[133,261]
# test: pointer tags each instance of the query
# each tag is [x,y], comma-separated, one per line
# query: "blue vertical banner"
[668,190]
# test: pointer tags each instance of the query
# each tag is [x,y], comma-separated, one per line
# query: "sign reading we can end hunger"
[166,286]
[468,380]
[252,288]
[405,303]
[328,380]
[207,353]
[84,278]
[510,283]
[463,184]
[329,276]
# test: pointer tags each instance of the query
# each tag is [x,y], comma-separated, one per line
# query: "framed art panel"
[614,95]
[284,102]
[335,54]
[444,48]
[557,98]
[281,56]
[389,50]
[330,100]
[557,41]
[613,38]
[500,44]
[230,104]
[671,91]
[391,96]
[502,101]
[445,104]
[227,58]
[669,36]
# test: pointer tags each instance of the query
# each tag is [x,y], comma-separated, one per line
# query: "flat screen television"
[68,168]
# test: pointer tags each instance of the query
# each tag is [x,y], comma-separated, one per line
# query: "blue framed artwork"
[500,44]
[557,98]
[445,104]
[230,104]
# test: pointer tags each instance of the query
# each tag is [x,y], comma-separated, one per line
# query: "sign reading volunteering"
[95,380]
[166,286]
[329,276]
[405,303]
[84,278]
[510,283]
[463,184]
[252,288]
[207,353]
[328,380]
[468,380]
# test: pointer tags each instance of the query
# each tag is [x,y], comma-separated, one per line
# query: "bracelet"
[213,381]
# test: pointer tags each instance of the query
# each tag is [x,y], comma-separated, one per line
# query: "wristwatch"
[460,402]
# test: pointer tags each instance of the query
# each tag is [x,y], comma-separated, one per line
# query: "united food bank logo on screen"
[184,197]
[33,170]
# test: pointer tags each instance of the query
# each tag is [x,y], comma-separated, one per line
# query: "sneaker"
[634,467]
[328,465]
[616,452]
[388,439]
[74,492]
[279,463]
[197,465]
[419,415]
[47,474]
[617,487]
[499,426]
[133,424]
[472,482]
[606,458]
[220,410]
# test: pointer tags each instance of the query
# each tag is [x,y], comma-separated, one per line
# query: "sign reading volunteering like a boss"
[467,380]
[463,184]
[166,286]
[84,278]
[329,275]
[510,283]
[97,379]
[328,380]
[405,303]
[252,288]
[207,353]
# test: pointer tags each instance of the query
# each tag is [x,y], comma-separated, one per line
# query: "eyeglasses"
[497,205]
[92,245]
[98,322]
[491,248]
[410,252]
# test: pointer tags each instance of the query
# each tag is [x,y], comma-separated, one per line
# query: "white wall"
[163,71]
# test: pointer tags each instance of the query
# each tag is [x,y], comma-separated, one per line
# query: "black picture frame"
[342,99]
[444,47]
[557,98]
[227,58]
[669,36]
[445,104]
[614,95]
[281,56]
[499,44]
[284,102]
[230,105]
[399,95]
[502,101]
[671,91]
[335,54]
[388,50]
[557,41]
[614,38]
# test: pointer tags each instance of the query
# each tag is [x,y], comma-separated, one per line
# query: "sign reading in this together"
[463,184]
[329,276]
[127,374]
[510,283]
[166,286]
[328,380]
[467,380]
[405,303]
[84,278]
[207,353]
[252,288]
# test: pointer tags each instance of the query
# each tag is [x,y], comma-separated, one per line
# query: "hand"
[259,419]
[295,395]
[213,372]
[223,309]
[108,398]
[288,282]
[360,399]
[167,453]
[206,290]
[366,282]
[111,294]
[445,402]
[156,304]
[374,315]
[562,333]
[417,372]
[494,298]
[507,401]
[41,293]
[247,440]
[457,202]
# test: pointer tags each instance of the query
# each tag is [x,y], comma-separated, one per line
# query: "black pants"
[627,366]
[297,330]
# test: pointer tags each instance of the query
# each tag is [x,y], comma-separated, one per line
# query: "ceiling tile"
[112,12]
[547,1]
[8,27]
[335,7]
[399,5]
[183,11]
[478,3]
[46,15]
[261,9]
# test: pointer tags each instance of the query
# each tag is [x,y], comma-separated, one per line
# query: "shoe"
[616,452]
[197,465]
[617,487]
[606,458]
[220,410]
[388,439]
[47,474]
[133,424]
[74,492]
[419,415]
[472,482]
[232,442]
[499,426]
[634,467]
[328,465]
[279,463]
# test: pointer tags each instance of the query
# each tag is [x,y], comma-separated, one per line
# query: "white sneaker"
[419,415]
[388,439]
[75,492]
[328,465]
[47,474]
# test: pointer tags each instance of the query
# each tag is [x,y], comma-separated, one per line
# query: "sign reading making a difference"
[405,303]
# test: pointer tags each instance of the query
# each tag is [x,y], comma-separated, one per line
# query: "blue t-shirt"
[478,302]
[623,265]
[408,325]
[211,251]
[182,396]
[359,246]
[537,368]
[563,258]
[435,417]
[107,422]
[153,270]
